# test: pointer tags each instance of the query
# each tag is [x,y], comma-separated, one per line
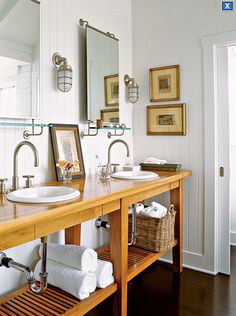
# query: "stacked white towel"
[79,257]
[104,274]
[139,208]
[76,282]
[76,269]
[156,210]
[152,160]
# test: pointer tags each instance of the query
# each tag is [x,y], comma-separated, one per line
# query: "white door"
[222,95]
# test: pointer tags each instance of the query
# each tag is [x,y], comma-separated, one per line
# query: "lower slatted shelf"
[138,259]
[56,302]
[53,302]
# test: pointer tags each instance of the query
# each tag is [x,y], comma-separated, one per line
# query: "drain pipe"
[133,233]
[10,263]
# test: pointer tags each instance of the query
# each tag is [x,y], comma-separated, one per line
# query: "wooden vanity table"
[21,223]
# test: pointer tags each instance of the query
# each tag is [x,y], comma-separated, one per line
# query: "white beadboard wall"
[167,33]
[60,31]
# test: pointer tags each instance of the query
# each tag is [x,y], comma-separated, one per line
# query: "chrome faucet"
[109,150]
[15,178]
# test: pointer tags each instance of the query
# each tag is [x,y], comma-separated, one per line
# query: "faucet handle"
[28,182]
[114,167]
[3,185]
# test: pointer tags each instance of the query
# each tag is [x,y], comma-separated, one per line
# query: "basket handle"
[171,210]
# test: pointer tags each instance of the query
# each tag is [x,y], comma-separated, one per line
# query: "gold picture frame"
[66,146]
[111,90]
[167,119]
[110,115]
[164,83]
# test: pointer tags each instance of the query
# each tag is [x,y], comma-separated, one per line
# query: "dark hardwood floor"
[158,291]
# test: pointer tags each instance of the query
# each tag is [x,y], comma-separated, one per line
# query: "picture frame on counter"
[164,83]
[168,119]
[111,90]
[66,146]
[110,115]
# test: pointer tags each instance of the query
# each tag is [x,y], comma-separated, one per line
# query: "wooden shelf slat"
[138,259]
[53,302]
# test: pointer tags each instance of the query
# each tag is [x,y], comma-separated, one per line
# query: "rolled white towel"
[104,273]
[156,210]
[152,160]
[139,208]
[79,257]
[78,283]
[159,206]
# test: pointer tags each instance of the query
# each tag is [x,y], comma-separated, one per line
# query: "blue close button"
[227,5]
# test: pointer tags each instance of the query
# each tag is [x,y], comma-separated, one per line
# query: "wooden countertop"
[93,194]
[21,223]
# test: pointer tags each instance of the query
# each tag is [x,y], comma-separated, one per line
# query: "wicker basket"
[155,234]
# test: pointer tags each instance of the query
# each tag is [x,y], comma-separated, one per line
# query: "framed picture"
[166,119]
[66,147]
[111,90]
[110,115]
[164,83]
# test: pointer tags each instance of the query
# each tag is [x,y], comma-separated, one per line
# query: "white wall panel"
[60,32]
[165,33]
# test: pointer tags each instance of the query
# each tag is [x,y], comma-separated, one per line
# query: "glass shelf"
[111,128]
[15,124]
[111,131]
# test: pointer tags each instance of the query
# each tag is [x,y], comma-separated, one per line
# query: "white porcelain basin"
[43,195]
[135,175]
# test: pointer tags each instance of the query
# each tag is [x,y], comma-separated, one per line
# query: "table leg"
[72,235]
[176,197]
[119,255]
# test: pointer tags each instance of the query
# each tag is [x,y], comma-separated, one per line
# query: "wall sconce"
[64,72]
[132,89]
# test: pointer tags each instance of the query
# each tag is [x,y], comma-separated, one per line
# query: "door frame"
[210,45]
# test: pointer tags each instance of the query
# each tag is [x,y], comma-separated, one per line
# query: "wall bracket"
[89,129]
[110,134]
[27,134]
[121,129]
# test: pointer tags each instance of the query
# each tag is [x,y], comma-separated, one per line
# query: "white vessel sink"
[135,175]
[43,195]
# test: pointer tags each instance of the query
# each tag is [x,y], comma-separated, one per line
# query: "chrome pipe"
[133,232]
[10,263]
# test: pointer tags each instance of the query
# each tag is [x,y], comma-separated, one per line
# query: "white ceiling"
[19,22]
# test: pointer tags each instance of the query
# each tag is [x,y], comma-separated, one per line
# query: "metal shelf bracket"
[27,134]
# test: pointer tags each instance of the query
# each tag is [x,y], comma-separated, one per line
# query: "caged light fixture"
[133,89]
[64,72]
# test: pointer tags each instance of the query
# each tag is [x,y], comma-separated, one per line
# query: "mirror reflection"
[102,76]
[67,147]
[19,58]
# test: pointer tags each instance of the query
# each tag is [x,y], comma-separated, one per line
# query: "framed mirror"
[67,149]
[102,75]
[19,58]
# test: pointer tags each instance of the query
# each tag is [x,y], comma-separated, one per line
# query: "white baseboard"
[233,238]
[191,260]
[190,267]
